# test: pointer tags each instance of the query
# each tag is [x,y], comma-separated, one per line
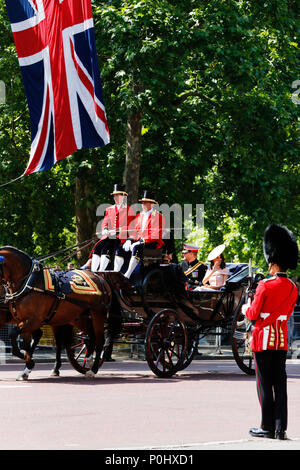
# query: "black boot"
[258,432]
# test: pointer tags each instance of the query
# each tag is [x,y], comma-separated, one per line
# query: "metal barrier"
[47,340]
[135,348]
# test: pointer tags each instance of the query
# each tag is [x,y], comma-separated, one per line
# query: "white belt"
[266,315]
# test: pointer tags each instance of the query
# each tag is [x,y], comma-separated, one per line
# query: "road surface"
[210,405]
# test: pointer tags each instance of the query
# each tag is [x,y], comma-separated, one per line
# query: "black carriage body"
[159,293]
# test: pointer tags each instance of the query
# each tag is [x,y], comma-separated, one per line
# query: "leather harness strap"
[28,287]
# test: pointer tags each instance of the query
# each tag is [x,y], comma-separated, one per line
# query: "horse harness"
[28,287]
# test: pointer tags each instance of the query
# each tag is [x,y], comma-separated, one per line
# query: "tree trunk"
[85,217]
[133,154]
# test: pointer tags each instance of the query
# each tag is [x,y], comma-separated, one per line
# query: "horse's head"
[14,265]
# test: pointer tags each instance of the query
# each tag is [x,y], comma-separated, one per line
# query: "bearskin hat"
[280,247]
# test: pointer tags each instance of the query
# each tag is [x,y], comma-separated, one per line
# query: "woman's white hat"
[216,252]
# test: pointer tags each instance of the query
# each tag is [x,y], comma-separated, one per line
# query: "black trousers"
[137,251]
[272,388]
[107,246]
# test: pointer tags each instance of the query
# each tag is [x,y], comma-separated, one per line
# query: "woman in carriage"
[218,273]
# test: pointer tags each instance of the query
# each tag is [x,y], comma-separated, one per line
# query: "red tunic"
[153,229]
[272,306]
[118,218]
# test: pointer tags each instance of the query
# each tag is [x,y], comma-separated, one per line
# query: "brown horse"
[32,305]
[62,334]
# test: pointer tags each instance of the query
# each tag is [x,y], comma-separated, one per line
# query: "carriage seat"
[151,255]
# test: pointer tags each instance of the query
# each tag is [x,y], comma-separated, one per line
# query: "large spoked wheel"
[78,352]
[166,343]
[191,350]
[241,338]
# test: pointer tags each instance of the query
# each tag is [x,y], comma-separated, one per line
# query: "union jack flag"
[57,54]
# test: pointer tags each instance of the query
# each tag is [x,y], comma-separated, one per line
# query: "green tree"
[198,99]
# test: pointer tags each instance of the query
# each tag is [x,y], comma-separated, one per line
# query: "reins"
[79,246]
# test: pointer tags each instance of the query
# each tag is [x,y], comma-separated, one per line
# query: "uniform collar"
[281,274]
[192,263]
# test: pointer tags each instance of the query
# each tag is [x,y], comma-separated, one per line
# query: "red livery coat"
[153,230]
[273,304]
[118,219]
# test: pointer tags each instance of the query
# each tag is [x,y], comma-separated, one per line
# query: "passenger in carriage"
[114,229]
[147,233]
[193,269]
[218,273]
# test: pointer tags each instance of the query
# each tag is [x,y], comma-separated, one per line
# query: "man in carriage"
[193,269]
[147,232]
[114,230]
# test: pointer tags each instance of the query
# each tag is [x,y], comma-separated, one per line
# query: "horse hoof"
[54,373]
[89,374]
[22,378]
[90,362]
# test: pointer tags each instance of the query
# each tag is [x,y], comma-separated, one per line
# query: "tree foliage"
[211,83]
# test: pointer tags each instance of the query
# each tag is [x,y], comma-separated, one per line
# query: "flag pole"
[12,181]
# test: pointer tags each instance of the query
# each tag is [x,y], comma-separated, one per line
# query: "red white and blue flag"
[56,48]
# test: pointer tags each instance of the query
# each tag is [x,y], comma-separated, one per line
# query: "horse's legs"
[29,364]
[98,326]
[85,325]
[25,354]
[63,337]
[58,348]
[21,354]
[30,332]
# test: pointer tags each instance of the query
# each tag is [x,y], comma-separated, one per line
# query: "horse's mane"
[17,251]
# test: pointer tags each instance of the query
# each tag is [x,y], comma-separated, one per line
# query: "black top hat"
[119,189]
[280,247]
[148,196]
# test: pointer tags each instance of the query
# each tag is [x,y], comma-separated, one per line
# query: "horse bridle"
[26,286]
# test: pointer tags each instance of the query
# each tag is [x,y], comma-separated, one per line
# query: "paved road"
[211,405]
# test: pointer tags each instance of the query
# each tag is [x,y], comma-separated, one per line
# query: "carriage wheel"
[166,343]
[191,350]
[77,352]
[241,338]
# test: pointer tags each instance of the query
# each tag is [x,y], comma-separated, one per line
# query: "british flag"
[56,48]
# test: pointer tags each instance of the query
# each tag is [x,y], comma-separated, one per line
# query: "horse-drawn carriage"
[155,308]
[157,312]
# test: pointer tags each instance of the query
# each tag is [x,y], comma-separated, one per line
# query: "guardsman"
[114,229]
[193,269]
[273,304]
[147,233]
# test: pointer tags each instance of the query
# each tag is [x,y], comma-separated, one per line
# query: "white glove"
[134,244]
[112,233]
[246,306]
[127,245]
[105,231]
